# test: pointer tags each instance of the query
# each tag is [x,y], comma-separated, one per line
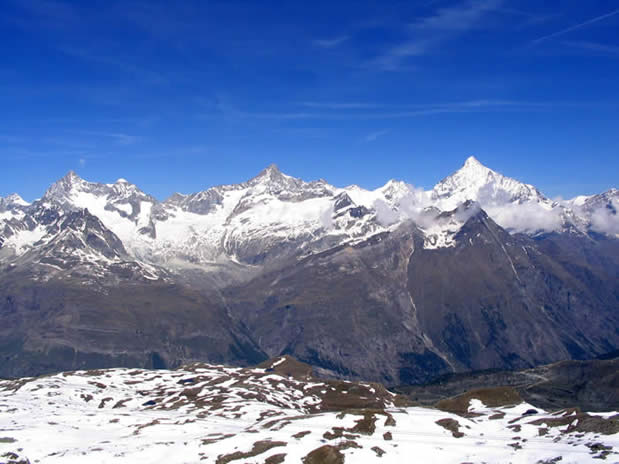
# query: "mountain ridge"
[326,274]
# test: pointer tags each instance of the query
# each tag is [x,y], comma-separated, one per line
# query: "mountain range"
[397,284]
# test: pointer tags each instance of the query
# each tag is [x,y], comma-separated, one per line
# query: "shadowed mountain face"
[66,325]
[393,285]
[396,312]
[497,300]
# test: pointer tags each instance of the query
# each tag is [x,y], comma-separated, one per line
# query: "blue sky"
[179,96]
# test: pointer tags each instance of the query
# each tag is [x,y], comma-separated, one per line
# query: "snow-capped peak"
[395,190]
[275,180]
[13,200]
[476,182]
[473,162]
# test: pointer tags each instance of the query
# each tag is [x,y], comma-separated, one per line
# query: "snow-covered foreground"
[216,414]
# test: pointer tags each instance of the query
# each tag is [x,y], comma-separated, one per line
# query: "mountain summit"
[474,181]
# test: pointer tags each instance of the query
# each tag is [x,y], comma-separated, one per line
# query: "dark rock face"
[379,311]
[497,300]
[59,325]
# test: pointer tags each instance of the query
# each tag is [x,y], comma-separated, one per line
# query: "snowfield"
[216,414]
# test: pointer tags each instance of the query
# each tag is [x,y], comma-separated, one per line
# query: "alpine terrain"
[396,285]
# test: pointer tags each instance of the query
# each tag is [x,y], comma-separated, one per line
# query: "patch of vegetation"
[491,397]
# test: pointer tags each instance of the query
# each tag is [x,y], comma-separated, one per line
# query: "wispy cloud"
[341,105]
[575,27]
[429,32]
[371,137]
[457,18]
[330,43]
[371,111]
[118,137]
[393,59]
[593,47]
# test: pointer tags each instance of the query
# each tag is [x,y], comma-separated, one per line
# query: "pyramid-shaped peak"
[270,174]
[71,176]
[270,171]
[68,181]
[474,181]
[473,163]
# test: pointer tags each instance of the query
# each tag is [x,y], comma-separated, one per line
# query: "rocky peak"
[62,188]
[274,182]
[273,177]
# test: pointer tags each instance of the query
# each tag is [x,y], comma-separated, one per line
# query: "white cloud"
[330,43]
[430,32]
[529,217]
[374,135]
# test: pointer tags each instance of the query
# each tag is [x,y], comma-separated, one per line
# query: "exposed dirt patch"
[452,425]
[365,425]
[581,422]
[287,366]
[121,403]
[103,401]
[143,426]
[326,454]
[258,448]
[98,385]
[275,459]
[379,451]
[13,458]
[348,444]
